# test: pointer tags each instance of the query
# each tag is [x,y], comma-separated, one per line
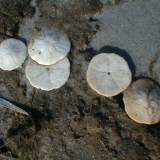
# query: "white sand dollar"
[142,101]
[47,48]
[13,53]
[108,74]
[48,77]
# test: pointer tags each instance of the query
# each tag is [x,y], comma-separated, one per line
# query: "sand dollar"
[142,101]
[13,53]
[49,47]
[108,74]
[48,77]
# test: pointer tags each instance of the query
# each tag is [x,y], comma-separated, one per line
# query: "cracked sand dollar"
[108,74]
[142,101]
[49,47]
[13,53]
[48,77]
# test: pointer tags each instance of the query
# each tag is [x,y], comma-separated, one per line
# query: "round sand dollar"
[142,101]
[48,77]
[108,74]
[13,53]
[49,47]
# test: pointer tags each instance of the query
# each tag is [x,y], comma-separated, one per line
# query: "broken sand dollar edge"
[48,77]
[108,74]
[49,47]
[142,101]
[7,104]
[13,53]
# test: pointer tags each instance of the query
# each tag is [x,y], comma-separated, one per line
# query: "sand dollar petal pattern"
[49,47]
[108,74]
[48,77]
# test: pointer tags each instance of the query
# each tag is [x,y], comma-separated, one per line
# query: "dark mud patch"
[12,13]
